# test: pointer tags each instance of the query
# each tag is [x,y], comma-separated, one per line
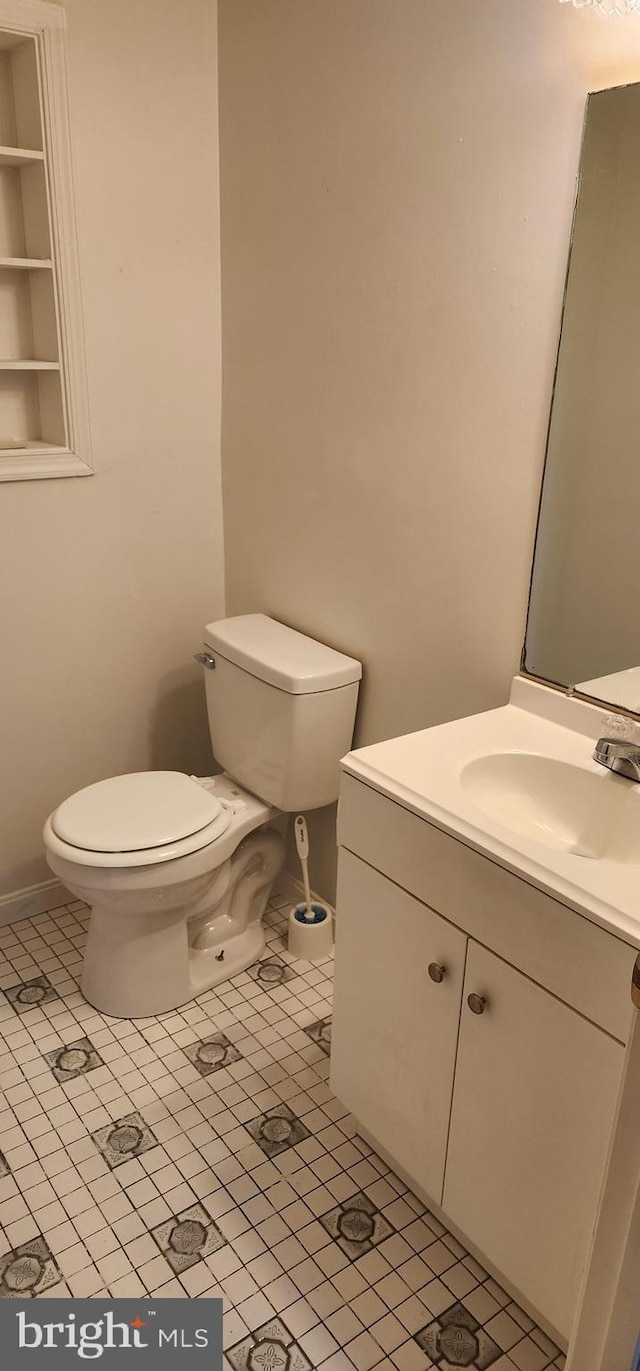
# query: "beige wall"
[397,181]
[107,581]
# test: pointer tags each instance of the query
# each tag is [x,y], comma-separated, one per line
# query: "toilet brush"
[310,923]
[302,844]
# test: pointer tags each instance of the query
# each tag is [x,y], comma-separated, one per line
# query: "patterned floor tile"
[30,994]
[277,1130]
[320,1033]
[271,1348]
[457,1338]
[271,972]
[27,1270]
[76,1059]
[126,1138]
[212,1054]
[356,1226]
[187,1238]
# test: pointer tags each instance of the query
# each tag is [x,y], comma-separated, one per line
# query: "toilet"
[178,869]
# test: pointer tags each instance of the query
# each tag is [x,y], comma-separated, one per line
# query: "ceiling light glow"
[607,6]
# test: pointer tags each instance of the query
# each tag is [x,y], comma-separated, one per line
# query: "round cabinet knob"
[437,973]
[477,1004]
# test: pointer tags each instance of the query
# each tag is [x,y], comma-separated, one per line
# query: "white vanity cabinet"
[535,1093]
[501,1118]
[397,1028]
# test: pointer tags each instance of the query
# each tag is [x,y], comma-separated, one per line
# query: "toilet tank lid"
[280,655]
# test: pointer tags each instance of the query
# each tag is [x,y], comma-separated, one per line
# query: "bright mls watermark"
[185,1334]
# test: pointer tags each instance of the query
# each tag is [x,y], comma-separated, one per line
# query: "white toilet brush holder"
[310,922]
[310,939]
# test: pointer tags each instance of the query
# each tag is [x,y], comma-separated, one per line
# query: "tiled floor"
[202,1153]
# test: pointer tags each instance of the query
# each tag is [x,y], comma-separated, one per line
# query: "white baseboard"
[34,899]
[290,890]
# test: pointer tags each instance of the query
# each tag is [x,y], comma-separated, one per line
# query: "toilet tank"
[281,710]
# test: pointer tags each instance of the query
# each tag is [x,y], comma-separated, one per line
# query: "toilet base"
[209,968]
[131,994]
[155,949]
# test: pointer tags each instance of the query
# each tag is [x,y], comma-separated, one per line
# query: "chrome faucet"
[620,756]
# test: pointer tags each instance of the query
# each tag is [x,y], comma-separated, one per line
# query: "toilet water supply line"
[302,844]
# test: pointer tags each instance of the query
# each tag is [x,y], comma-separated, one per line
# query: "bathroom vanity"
[482,992]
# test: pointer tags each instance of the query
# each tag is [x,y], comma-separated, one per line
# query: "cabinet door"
[395,1028]
[534,1100]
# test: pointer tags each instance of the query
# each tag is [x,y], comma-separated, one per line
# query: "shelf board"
[36,445]
[19,364]
[26,263]
[19,157]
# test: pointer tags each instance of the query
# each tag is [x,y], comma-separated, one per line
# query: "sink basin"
[555,803]
[520,785]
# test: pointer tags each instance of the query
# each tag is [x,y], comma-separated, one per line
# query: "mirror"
[583,627]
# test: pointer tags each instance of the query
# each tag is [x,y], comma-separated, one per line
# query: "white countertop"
[422,772]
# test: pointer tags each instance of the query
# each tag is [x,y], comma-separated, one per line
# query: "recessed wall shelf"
[44,428]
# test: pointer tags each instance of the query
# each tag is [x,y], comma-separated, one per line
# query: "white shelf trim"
[40,463]
[21,364]
[28,445]
[26,263]
[63,231]
[19,157]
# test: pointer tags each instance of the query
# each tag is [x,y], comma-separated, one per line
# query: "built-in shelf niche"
[43,410]
[24,212]
[31,411]
[28,324]
[20,111]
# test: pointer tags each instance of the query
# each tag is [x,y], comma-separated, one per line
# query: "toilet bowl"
[177,870]
[171,920]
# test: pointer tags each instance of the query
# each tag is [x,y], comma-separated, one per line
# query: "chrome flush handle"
[205,659]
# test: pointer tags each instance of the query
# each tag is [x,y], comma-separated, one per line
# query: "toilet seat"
[137,820]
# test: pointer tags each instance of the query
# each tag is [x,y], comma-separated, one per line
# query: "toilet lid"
[128,813]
